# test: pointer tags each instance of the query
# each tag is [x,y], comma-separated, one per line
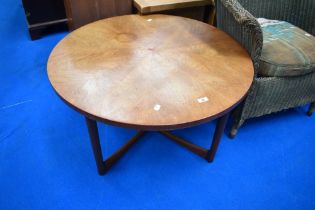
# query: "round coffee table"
[150,73]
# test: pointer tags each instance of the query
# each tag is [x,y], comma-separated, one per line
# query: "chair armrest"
[297,12]
[242,26]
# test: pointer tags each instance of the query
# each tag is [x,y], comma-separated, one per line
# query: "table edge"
[153,127]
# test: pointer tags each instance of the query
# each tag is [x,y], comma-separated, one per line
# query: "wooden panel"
[196,13]
[153,6]
[82,12]
[202,10]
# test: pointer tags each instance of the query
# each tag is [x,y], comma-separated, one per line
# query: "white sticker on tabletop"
[202,100]
[157,107]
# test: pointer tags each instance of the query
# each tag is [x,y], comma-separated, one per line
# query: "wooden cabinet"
[41,14]
[81,12]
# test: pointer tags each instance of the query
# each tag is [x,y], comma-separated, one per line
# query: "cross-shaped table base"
[104,165]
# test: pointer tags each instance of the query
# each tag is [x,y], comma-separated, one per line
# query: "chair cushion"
[287,50]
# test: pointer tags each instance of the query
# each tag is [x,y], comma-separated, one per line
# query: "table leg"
[104,166]
[216,138]
[96,146]
[206,154]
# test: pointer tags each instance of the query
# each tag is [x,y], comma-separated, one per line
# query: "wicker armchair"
[269,93]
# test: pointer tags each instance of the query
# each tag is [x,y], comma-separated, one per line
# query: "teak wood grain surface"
[151,6]
[154,72]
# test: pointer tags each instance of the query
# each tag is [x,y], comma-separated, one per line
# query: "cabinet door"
[81,12]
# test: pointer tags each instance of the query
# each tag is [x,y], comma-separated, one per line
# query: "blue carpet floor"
[46,160]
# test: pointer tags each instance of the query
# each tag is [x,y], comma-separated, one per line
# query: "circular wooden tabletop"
[154,72]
